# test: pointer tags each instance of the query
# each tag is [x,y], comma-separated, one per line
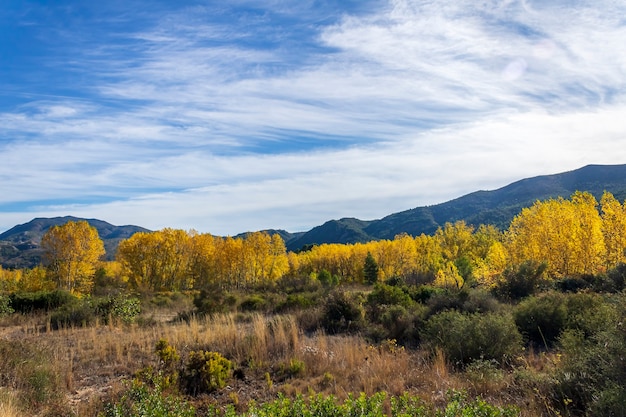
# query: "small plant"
[123,308]
[205,372]
[268,381]
[5,306]
[142,400]
[294,368]
[169,358]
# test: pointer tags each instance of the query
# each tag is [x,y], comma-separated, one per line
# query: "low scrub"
[467,337]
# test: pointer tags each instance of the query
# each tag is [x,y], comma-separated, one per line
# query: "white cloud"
[415,104]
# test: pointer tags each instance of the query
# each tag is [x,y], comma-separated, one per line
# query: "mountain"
[496,207]
[19,246]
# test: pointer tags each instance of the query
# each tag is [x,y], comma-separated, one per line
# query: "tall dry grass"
[91,363]
[9,405]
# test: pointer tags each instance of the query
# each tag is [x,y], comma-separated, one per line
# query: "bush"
[592,373]
[423,293]
[522,281]
[446,300]
[205,372]
[214,301]
[480,301]
[142,400]
[541,319]
[341,313]
[41,301]
[121,307]
[297,302]
[388,295]
[5,306]
[467,337]
[253,302]
[77,315]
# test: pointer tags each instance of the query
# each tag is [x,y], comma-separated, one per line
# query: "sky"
[233,116]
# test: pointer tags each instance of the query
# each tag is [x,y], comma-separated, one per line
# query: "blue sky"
[226,117]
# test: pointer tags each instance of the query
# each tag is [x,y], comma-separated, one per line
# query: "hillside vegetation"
[468,321]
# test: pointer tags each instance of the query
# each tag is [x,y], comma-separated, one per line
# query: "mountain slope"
[496,207]
[19,246]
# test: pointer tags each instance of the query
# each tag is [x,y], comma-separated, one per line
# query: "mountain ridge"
[19,245]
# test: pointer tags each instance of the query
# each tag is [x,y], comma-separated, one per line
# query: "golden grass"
[9,405]
[93,362]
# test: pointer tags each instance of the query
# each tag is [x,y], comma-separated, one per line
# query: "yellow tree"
[565,234]
[590,248]
[157,260]
[202,263]
[613,230]
[71,252]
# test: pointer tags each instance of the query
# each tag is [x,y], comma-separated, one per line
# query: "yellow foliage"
[71,252]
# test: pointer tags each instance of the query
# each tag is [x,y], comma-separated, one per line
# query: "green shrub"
[29,302]
[168,362]
[521,281]
[541,319]
[205,372]
[480,301]
[592,372]
[617,277]
[341,313]
[384,294]
[446,300]
[82,314]
[467,337]
[295,302]
[214,301]
[327,279]
[253,302]
[121,307]
[5,306]
[423,293]
[142,400]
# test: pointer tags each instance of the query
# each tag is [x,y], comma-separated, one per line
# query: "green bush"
[212,301]
[142,400]
[5,306]
[423,293]
[294,302]
[384,294]
[592,372]
[541,319]
[29,302]
[521,281]
[121,307]
[205,372]
[467,337]
[77,315]
[341,313]
[254,302]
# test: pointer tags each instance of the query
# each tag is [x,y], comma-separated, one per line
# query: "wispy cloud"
[231,118]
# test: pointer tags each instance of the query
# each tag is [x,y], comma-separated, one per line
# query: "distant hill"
[496,207]
[19,246]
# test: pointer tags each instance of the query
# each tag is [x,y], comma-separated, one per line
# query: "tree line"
[569,237]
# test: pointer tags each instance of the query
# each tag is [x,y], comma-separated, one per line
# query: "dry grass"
[8,405]
[91,363]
